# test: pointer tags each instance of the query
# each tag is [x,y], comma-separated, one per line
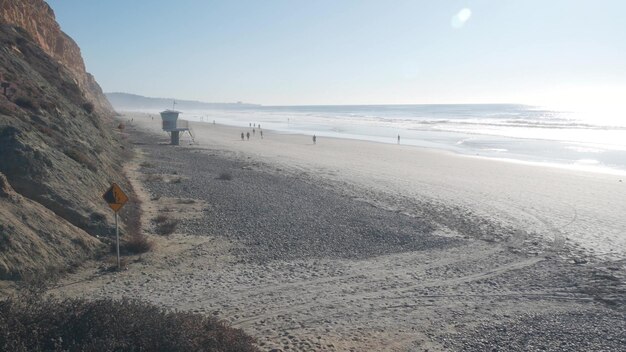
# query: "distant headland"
[127,101]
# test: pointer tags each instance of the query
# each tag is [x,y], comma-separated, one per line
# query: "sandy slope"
[356,246]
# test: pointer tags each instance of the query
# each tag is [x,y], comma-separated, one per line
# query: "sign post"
[116,199]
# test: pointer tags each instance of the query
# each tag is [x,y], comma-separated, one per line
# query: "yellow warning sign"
[115,197]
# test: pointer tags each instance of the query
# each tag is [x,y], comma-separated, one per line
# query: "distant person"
[254,125]
[398,139]
[250,124]
[314,139]
[261,132]
[242,136]
[259,126]
[253,132]
[248,135]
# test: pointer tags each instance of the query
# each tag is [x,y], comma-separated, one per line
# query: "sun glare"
[461,17]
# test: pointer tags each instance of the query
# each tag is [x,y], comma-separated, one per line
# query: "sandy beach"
[585,209]
[358,246]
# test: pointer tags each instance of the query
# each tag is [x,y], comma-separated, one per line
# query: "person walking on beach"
[242,136]
[314,139]
[261,131]
[248,135]
[254,131]
[398,139]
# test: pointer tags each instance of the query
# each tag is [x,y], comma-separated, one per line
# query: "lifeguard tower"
[174,126]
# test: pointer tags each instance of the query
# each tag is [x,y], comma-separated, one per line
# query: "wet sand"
[348,245]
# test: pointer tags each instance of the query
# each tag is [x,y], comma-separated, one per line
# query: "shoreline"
[304,260]
[583,163]
[582,168]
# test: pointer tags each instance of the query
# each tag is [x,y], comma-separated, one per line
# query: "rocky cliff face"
[38,20]
[58,152]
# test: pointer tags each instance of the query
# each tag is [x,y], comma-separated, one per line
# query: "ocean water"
[518,133]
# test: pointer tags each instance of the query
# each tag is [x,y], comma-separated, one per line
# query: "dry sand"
[350,245]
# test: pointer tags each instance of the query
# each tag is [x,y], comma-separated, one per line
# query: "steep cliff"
[38,20]
[57,150]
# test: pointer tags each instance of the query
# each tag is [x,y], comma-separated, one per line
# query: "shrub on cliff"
[32,324]
[80,157]
[88,107]
[26,103]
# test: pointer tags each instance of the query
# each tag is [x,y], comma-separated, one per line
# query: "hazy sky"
[550,52]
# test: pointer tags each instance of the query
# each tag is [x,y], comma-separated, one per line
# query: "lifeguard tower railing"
[170,125]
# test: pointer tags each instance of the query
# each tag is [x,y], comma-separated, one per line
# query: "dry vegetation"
[88,107]
[35,324]
[134,241]
[26,103]
[81,158]
[153,177]
[164,225]
[186,201]
[176,180]
[136,244]
[110,263]
[226,176]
